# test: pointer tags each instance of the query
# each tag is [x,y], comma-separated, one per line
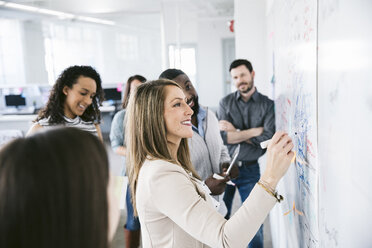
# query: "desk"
[18,122]
[24,122]
[110,108]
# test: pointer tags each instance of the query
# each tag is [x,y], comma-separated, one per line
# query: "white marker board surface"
[322,70]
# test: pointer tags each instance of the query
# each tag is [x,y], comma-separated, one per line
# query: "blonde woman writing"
[172,205]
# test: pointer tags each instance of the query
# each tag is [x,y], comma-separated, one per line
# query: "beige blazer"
[175,212]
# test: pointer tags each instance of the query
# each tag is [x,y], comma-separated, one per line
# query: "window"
[67,45]
[184,58]
[11,53]
[127,47]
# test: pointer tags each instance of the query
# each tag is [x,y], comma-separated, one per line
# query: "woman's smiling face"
[177,115]
[79,97]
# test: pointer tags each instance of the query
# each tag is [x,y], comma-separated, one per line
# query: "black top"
[257,112]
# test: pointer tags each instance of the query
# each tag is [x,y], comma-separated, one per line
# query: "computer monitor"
[112,94]
[15,100]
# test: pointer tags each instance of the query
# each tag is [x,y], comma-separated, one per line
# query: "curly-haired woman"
[74,101]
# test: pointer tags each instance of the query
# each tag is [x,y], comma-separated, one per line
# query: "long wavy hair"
[54,109]
[53,191]
[145,132]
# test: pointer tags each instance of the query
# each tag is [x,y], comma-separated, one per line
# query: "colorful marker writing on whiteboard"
[265,143]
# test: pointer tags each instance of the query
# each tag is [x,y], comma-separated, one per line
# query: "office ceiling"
[107,8]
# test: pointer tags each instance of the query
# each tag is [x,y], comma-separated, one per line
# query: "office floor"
[119,242]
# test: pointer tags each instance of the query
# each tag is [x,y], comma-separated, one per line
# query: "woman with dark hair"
[174,208]
[132,83]
[132,227]
[74,101]
[53,196]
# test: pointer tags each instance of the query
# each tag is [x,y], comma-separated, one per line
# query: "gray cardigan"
[209,152]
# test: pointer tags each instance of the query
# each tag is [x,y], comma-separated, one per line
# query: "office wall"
[211,77]
[180,26]
[250,39]
[145,54]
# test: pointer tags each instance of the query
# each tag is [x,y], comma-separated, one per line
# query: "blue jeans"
[133,223]
[247,179]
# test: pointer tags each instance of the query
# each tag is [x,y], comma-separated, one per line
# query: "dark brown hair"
[128,87]
[171,74]
[53,191]
[239,62]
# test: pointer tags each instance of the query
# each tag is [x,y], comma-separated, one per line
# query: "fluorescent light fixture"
[59,14]
[95,20]
[20,7]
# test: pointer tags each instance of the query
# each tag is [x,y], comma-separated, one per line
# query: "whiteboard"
[293,36]
[345,123]
[321,53]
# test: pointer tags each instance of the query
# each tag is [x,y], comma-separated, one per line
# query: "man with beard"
[246,118]
[207,151]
